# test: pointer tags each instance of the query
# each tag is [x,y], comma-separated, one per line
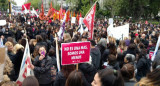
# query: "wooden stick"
[77,67]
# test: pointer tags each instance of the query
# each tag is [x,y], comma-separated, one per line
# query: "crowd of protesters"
[112,62]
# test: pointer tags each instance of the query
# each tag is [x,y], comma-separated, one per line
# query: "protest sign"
[119,32]
[81,20]
[2,62]
[110,20]
[73,20]
[2,22]
[76,52]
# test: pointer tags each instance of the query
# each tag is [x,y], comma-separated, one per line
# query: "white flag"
[25,69]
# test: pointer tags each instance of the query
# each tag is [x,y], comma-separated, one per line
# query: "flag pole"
[57,53]
[77,67]
[9,3]
[90,8]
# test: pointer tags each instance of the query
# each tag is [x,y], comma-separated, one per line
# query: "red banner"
[27,6]
[76,52]
[89,21]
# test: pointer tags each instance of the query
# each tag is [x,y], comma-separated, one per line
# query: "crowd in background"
[112,62]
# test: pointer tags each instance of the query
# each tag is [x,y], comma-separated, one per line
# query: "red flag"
[89,21]
[60,13]
[77,17]
[80,15]
[74,14]
[41,15]
[27,6]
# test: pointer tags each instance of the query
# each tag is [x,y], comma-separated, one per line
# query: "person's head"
[129,58]
[122,44]
[127,71]
[93,43]
[42,50]
[84,38]
[74,79]
[52,52]
[152,79]
[112,48]
[10,39]
[136,40]
[143,36]
[67,37]
[112,59]
[67,69]
[39,38]
[17,47]
[131,46]
[9,45]
[108,77]
[30,81]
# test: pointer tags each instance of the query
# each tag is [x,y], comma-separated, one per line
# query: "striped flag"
[25,69]
[62,28]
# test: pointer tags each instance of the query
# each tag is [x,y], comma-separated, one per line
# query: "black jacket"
[143,67]
[60,79]
[88,70]
[42,69]
[96,57]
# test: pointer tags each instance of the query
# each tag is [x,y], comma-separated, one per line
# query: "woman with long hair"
[152,79]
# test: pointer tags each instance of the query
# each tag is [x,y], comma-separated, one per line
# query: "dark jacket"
[96,57]
[60,79]
[18,59]
[143,67]
[88,70]
[11,56]
[42,69]
[105,55]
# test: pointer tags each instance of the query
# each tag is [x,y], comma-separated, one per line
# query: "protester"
[127,72]
[106,77]
[143,65]
[42,67]
[63,75]
[95,55]
[76,78]
[9,46]
[30,81]
[152,79]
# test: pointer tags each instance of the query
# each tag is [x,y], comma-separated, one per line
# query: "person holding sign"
[42,67]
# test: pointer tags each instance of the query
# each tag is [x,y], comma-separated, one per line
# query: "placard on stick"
[75,52]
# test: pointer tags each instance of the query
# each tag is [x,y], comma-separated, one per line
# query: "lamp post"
[9,3]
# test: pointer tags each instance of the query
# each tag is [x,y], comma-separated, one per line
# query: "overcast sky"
[19,2]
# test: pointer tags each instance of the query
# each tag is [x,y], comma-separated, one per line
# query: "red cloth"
[27,6]
[136,34]
[89,21]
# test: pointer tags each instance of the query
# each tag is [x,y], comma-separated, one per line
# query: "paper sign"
[119,32]
[81,21]
[73,20]
[2,22]
[110,20]
[151,54]
[74,53]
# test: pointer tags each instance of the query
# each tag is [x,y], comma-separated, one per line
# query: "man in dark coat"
[95,55]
